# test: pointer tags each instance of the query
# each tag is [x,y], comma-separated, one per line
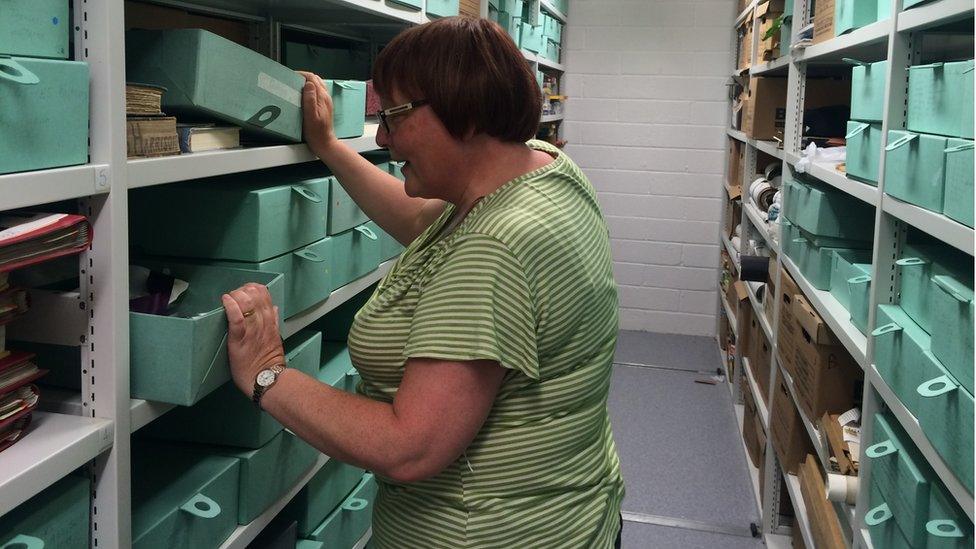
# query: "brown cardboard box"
[733,216]
[767,13]
[737,294]
[743,4]
[770,295]
[737,152]
[723,332]
[823,21]
[746,333]
[765,110]
[745,43]
[788,329]
[825,527]
[760,367]
[140,15]
[826,377]
[786,429]
[751,426]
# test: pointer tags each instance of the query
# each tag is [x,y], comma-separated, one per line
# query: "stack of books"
[149,132]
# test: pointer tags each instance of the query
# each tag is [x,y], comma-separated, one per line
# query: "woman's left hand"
[253,340]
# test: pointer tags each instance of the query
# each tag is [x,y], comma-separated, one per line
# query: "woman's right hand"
[317,109]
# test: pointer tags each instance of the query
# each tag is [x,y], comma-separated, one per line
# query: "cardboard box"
[825,527]
[751,426]
[765,109]
[770,295]
[788,330]
[737,294]
[746,331]
[823,21]
[737,153]
[733,216]
[786,429]
[745,43]
[826,377]
[763,352]
[767,13]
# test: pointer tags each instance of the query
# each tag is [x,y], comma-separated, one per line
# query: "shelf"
[363,541]
[738,135]
[829,175]
[868,43]
[740,412]
[246,533]
[733,320]
[145,172]
[542,61]
[769,147]
[934,14]
[546,118]
[313,14]
[762,227]
[144,412]
[745,13]
[547,5]
[864,538]
[799,508]
[774,67]
[19,190]
[757,395]
[54,445]
[732,253]
[336,298]
[819,445]
[776,541]
[914,430]
[941,227]
[759,312]
[834,314]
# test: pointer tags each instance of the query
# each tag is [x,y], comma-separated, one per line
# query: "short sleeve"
[476,305]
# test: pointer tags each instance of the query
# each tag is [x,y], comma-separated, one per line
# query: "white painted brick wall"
[645,121]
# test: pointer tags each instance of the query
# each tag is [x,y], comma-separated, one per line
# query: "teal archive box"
[552,51]
[814,256]
[859,287]
[948,526]
[881,524]
[183,357]
[307,275]
[940,99]
[945,412]
[243,217]
[349,107]
[181,499]
[44,112]
[512,23]
[57,517]
[347,524]
[958,202]
[845,265]
[902,476]
[863,151]
[952,337]
[209,77]
[918,267]
[336,367]
[823,211]
[35,28]
[532,38]
[227,416]
[442,8]
[854,14]
[868,82]
[915,168]
[323,494]
[355,253]
[344,213]
[389,247]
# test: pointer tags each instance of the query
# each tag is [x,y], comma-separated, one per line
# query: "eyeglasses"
[397,111]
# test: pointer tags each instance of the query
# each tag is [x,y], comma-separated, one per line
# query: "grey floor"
[682,461]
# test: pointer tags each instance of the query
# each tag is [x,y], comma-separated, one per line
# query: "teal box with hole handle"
[182,358]
[948,526]
[336,367]
[825,212]
[344,213]
[35,28]
[57,517]
[307,275]
[349,107]
[952,337]
[347,524]
[859,286]
[532,38]
[552,51]
[181,499]
[945,412]
[854,14]
[208,77]
[881,524]
[389,247]
[843,269]
[512,23]
[355,253]
[814,257]
[442,8]
[243,217]
[959,181]
[940,99]
[903,355]
[44,111]
[227,416]
[918,266]
[868,83]
[902,476]
[915,168]
[863,151]
[323,494]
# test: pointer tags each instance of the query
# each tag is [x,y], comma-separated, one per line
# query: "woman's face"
[418,138]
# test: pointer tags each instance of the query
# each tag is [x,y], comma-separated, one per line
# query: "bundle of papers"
[12,432]
[27,238]
[18,396]
[143,99]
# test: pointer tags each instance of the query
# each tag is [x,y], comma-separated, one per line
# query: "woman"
[485,353]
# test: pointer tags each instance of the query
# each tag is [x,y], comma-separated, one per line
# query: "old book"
[143,100]
[151,136]
[208,137]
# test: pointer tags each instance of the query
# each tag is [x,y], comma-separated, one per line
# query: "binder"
[27,238]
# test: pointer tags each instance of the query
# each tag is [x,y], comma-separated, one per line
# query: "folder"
[14,431]
[18,395]
[27,238]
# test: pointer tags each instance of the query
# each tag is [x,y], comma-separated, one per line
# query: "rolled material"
[842,488]
[773,170]
[753,268]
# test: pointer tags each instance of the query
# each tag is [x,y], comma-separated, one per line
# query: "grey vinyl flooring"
[679,446]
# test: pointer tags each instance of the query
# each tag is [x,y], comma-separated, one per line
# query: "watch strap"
[259,390]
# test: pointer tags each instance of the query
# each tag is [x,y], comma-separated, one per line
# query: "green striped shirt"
[526,279]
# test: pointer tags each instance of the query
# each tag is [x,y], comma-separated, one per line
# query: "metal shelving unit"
[896,38]
[799,508]
[18,190]
[756,395]
[551,118]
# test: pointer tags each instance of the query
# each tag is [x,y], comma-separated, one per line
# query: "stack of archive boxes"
[57,517]
[868,84]
[45,96]
[539,33]
[930,164]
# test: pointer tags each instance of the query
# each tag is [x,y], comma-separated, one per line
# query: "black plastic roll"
[754,268]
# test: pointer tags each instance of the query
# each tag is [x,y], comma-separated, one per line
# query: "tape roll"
[773,170]
[842,488]
[753,268]
[765,198]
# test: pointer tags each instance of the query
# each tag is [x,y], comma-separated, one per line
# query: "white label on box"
[276,87]
[851,416]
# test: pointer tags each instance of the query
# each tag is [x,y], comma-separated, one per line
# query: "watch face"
[265,378]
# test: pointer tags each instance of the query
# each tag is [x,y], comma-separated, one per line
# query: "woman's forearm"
[378,194]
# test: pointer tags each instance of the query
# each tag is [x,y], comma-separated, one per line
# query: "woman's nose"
[382,137]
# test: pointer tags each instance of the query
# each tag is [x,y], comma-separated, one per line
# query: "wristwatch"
[265,379]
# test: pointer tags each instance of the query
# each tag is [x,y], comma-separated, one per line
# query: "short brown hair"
[471,73]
